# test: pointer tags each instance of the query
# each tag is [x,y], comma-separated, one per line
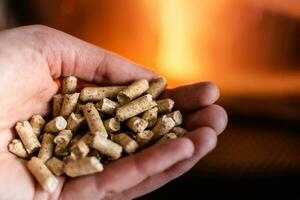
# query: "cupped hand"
[33,57]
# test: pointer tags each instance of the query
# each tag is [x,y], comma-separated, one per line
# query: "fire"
[233,43]
[177,57]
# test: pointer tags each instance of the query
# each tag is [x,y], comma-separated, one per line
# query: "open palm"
[32,57]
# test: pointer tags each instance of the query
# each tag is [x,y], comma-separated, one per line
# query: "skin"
[33,57]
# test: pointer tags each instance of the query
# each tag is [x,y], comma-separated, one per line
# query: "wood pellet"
[87,130]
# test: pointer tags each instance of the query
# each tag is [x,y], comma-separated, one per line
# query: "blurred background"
[250,48]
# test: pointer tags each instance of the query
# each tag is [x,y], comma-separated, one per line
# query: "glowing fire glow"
[228,42]
[177,57]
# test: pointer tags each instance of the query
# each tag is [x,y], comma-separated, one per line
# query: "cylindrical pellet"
[94,120]
[57,103]
[168,136]
[69,85]
[79,110]
[83,166]
[55,125]
[143,138]
[179,131]
[61,149]
[163,126]
[47,147]
[62,140]
[37,123]
[131,92]
[151,116]
[79,150]
[17,148]
[137,124]
[69,104]
[98,93]
[176,116]
[27,136]
[112,125]
[135,107]
[129,145]
[107,106]
[74,122]
[157,86]
[86,137]
[165,105]
[63,136]
[76,138]
[56,166]
[106,147]
[42,174]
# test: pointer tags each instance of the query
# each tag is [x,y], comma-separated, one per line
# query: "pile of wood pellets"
[89,129]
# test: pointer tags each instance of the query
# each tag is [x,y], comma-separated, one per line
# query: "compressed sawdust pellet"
[47,147]
[94,127]
[42,174]
[37,123]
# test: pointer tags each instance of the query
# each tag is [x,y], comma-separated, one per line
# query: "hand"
[32,57]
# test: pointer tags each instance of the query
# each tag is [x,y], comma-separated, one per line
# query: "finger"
[204,140]
[40,193]
[130,171]
[213,116]
[191,97]
[67,55]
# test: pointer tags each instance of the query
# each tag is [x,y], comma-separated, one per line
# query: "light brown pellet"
[27,136]
[143,138]
[112,125]
[134,90]
[83,166]
[62,141]
[42,174]
[137,124]
[63,136]
[168,136]
[163,126]
[106,147]
[86,137]
[98,93]
[79,150]
[157,86]
[69,104]
[74,121]
[135,107]
[37,123]
[107,106]
[151,116]
[55,125]
[176,116]
[47,147]
[129,145]
[94,120]
[56,166]
[165,105]
[57,103]
[179,131]
[17,148]
[69,85]
[76,138]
